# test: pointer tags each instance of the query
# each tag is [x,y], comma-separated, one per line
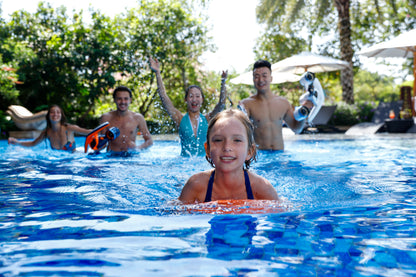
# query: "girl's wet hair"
[248,125]
[191,87]
[48,120]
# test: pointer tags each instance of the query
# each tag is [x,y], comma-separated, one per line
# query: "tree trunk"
[344,26]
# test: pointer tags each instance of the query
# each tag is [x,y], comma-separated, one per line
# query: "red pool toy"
[93,138]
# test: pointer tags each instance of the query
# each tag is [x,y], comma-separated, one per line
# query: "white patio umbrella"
[306,61]
[402,46]
[278,78]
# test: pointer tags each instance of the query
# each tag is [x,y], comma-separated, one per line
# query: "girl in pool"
[58,131]
[193,125]
[230,149]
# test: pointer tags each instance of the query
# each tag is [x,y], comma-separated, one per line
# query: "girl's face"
[55,114]
[194,100]
[228,144]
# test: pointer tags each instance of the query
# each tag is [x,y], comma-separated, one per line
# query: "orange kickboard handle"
[94,135]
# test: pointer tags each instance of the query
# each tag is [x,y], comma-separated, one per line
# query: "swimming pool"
[353,213]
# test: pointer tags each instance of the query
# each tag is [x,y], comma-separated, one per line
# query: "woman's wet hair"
[48,120]
[122,88]
[191,87]
[248,125]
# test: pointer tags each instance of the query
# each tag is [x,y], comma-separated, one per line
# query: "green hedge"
[348,115]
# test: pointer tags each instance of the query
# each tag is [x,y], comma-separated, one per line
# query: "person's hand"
[308,103]
[154,64]
[224,74]
[12,140]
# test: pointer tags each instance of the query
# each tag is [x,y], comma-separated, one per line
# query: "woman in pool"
[230,149]
[58,131]
[193,125]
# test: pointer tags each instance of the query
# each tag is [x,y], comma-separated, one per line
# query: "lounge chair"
[377,123]
[25,120]
[320,122]
[412,130]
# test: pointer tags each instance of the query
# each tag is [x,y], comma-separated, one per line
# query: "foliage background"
[55,57]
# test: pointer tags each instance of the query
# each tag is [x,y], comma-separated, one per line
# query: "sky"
[232,25]
[234,33]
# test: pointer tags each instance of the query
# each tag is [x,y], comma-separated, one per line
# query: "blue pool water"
[353,213]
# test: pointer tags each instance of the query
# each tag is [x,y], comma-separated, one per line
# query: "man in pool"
[267,111]
[128,122]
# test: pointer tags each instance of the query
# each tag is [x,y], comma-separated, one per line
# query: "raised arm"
[174,113]
[223,95]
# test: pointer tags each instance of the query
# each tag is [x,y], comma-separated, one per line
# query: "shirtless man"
[128,122]
[267,111]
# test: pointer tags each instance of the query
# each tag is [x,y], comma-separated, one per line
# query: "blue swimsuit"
[193,145]
[211,184]
[69,146]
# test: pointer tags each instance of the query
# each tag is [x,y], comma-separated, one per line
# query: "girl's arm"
[34,142]
[78,130]
[174,113]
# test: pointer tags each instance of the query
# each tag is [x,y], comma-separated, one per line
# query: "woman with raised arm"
[59,133]
[193,125]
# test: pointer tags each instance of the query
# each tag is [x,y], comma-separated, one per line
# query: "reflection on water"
[72,214]
[231,238]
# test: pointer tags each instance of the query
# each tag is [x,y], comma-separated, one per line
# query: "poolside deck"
[290,135]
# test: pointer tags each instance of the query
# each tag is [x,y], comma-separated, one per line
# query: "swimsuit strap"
[248,186]
[209,188]
[211,185]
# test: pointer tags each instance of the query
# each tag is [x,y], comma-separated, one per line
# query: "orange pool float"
[240,206]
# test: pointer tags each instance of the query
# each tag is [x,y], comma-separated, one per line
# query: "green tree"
[69,64]
[289,13]
[317,18]
[274,46]
[374,87]
[43,73]
[377,21]
[75,65]
[8,81]
[174,34]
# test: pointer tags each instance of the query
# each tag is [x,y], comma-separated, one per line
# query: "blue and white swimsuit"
[193,145]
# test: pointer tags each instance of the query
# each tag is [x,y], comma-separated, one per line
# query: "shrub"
[348,115]
[6,125]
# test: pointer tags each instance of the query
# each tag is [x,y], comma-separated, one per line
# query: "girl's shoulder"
[200,177]
[256,179]
[195,188]
[262,188]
